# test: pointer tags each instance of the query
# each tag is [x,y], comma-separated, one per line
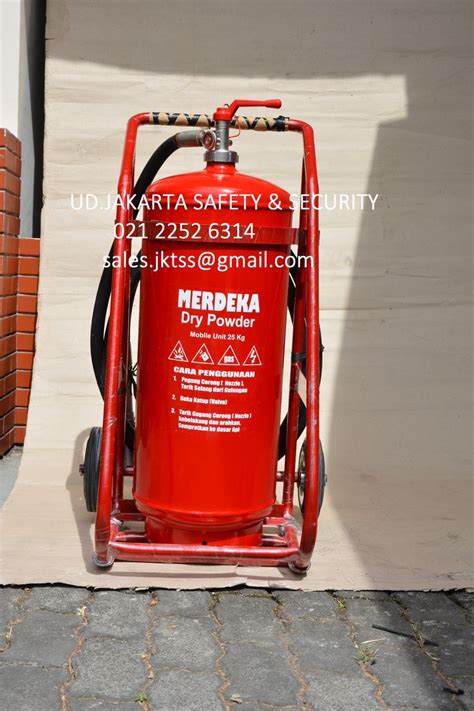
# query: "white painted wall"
[20,30]
[10,35]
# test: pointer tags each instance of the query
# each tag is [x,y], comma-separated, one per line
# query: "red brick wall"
[19,268]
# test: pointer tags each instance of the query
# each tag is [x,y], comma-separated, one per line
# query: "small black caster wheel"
[106,564]
[301,572]
[90,468]
[302,476]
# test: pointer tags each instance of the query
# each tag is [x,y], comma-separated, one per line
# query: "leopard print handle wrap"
[244,123]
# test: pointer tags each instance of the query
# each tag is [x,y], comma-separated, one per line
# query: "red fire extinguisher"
[217,272]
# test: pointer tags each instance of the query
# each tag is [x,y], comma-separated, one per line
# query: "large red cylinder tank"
[210,359]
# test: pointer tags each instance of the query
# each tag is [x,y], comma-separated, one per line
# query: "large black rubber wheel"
[91,468]
[302,476]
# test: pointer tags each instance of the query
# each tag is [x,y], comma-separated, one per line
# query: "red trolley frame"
[287,546]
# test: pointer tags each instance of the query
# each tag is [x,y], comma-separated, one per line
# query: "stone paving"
[74,649]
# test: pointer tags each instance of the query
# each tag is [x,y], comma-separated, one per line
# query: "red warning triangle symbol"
[253,358]
[229,357]
[178,353]
[203,355]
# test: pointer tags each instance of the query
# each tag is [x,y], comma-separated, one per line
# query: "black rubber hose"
[98,334]
[302,406]
[99,328]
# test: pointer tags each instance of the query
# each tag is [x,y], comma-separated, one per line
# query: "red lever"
[225,113]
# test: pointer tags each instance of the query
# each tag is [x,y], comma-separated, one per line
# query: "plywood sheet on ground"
[387,87]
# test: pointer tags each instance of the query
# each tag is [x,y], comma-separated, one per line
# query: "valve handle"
[225,113]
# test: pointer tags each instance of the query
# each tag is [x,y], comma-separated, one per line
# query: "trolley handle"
[244,123]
